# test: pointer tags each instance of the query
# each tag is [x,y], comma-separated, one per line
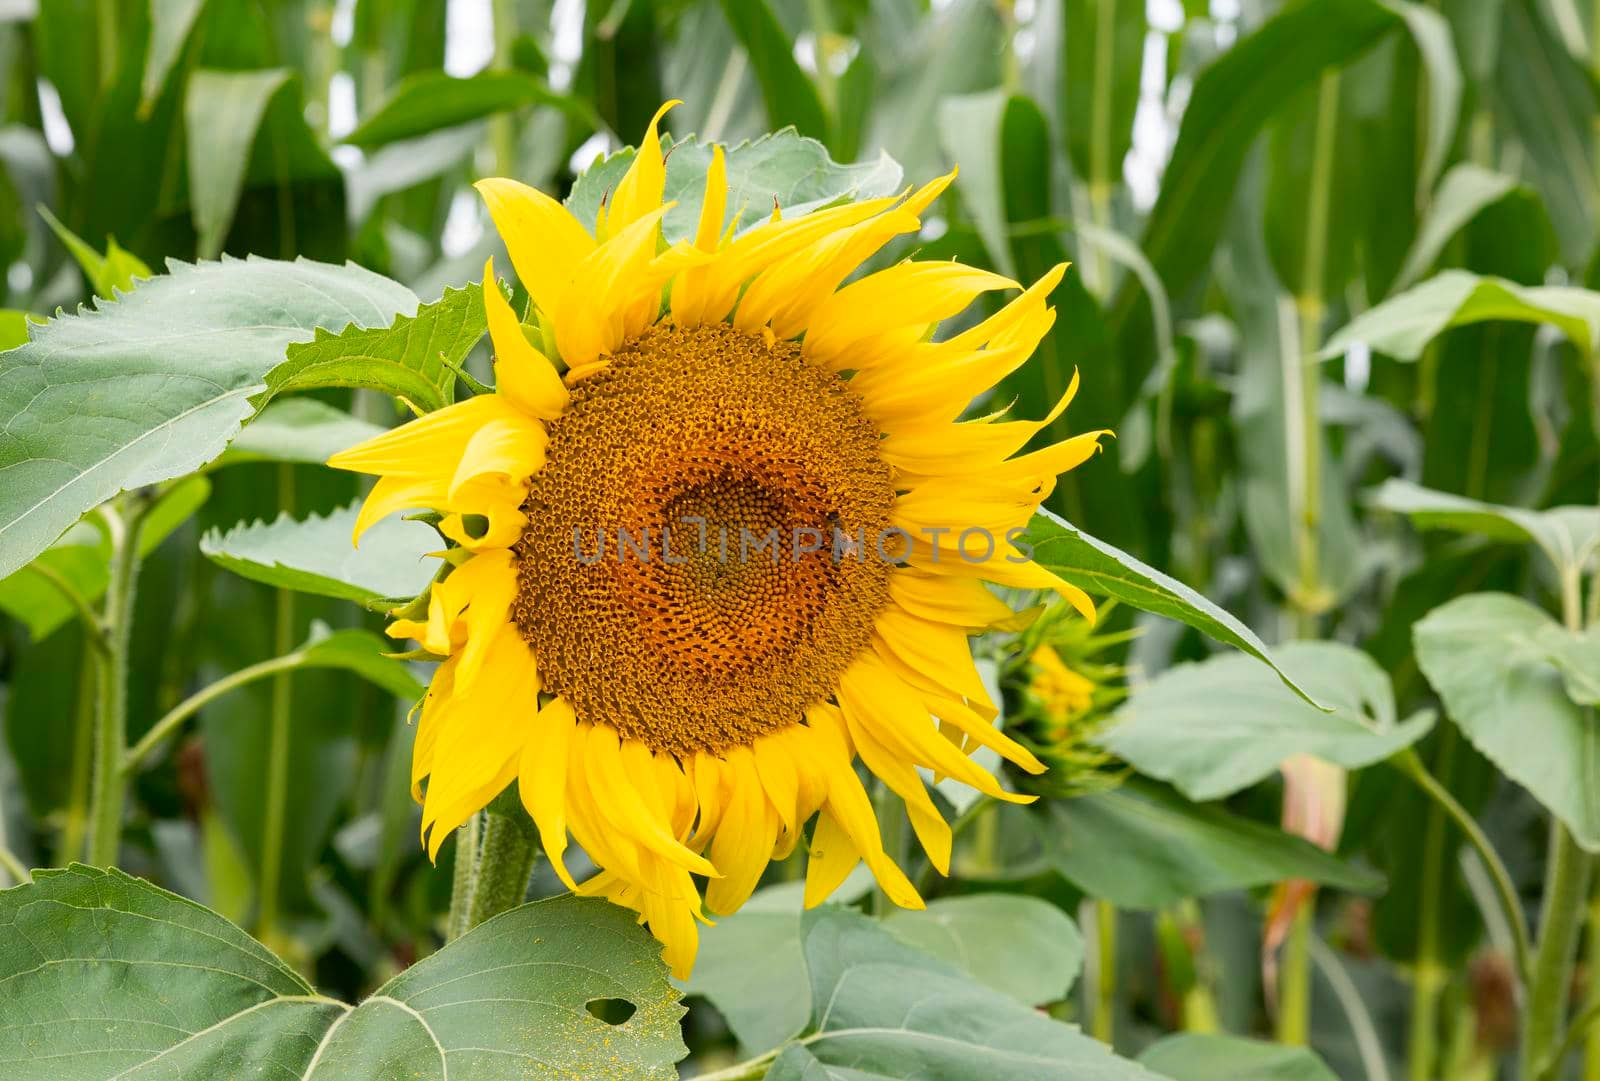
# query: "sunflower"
[717,535]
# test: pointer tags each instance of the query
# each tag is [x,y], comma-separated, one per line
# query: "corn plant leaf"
[1403,325]
[414,358]
[314,555]
[428,101]
[1568,535]
[154,385]
[786,89]
[107,975]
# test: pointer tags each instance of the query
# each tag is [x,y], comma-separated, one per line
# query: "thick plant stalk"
[1591,1008]
[1428,977]
[1103,1025]
[504,867]
[469,840]
[111,718]
[1566,895]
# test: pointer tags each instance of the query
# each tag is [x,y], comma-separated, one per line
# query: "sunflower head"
[719,534]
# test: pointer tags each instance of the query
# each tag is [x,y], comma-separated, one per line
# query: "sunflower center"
[693,572]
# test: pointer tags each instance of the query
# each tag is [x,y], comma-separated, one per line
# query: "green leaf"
[154,385]
[427,101]
[1140,846]
[414,358]
[82,559]
[1430,31]
[1465,191]
[315,555]
[785,169]
[1103,46]
[300,430]
[170,24]
[764,1004]
[108,274]
[1098,568]
[1570,536]
[1577,658]
[1403,325]
[1021,946]
[223,111]
[1233,99]
[1219,726]
[1195,1057]
[882,1010]
[361,653]
[789,94]
[1489,657]
[115,975]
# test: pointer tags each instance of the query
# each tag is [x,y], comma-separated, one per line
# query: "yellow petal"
[546,243]
[542,780]
[639,190]
[521,373]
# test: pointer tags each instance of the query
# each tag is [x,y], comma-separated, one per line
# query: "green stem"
[1410,764]
[753,1070]
[1428,978]
[504,868]
[11,866]
[1101,179]
[1566,893]
[503,128]
[75,826]
[94,632]
[106,39]
[892,823]
[111,719]
[1587,1027]
[1103,1025]
[466,877]
[1294,979]
[175,717]
[278,732]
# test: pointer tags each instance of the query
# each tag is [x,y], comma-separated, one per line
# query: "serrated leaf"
[1220,725]
[1191,1056]
[1099,568]
[882,1011]
[315,555]
[1142,846]
[1403,325]
[413,358]
[428,101]
[107,975]
[783,169]
[297,430]
[1489,655]
[1568,535]
[154,385]
[108,274]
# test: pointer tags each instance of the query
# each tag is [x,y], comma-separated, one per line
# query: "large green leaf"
[154,385]
[170,24]
[430,100]
[315,555]
[784,169]
[1492,658]
[1021,946]
[1223,724]
[1232,100]
[881,1011]
[1192,1056]
[414,358]
[1139,846]
[1465,191]
[223,111]
[108,975]
[1097,567]
[789,94]
[362,653]
[1568,535]
[1403,325]
[1103,52]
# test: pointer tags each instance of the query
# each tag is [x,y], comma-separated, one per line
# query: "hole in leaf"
[613,1011]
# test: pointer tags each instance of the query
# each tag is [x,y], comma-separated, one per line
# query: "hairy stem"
[504,867]
[111,718]
[1565,896]
[468,839]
